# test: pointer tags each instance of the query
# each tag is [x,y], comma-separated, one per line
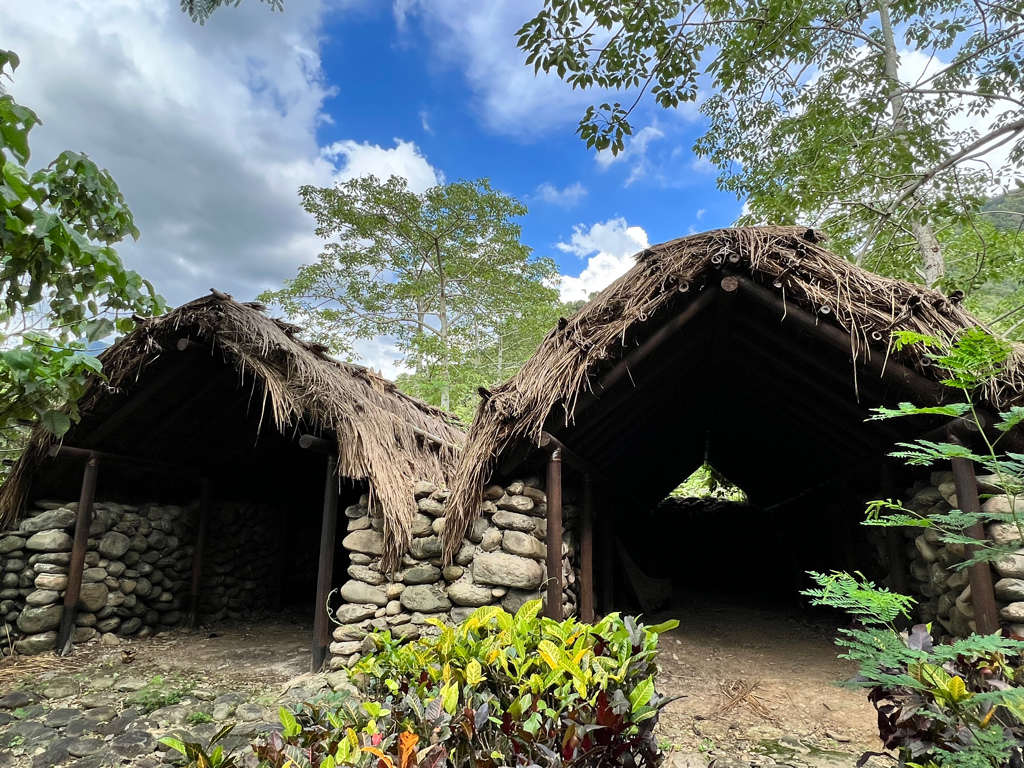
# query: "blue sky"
[211,130]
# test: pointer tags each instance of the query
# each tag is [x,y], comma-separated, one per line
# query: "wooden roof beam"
[886,367]
[140,398]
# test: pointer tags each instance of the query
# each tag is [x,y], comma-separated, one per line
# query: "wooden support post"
[986,615]
[894,541]
[554,536]
[321,621]
[587,552]
[729,287]
[77,565]
[192,616]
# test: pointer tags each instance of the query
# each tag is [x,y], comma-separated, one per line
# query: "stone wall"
[138,569]
[501,562]
[942,589]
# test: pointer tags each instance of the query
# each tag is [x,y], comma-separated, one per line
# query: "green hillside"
[1006,211]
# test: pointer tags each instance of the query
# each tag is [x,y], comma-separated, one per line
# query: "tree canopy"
[442,272]
[875,120]
[62,285]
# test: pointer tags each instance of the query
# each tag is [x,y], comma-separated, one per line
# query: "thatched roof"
[385,437]
[786,260]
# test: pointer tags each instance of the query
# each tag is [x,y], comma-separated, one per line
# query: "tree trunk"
[931,253]
[442,314]
[933,265]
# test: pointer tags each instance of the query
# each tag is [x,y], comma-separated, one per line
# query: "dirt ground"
[755,683]
[756,679]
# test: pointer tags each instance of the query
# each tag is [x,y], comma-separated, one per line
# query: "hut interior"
[196,417]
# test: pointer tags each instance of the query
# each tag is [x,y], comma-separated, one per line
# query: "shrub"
[952,704]
[496,690]
[958,703]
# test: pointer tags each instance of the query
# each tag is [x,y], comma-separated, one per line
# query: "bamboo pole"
[77,565]
[554,536]
[986,614]
[191,617]
[587,552]
[328,529]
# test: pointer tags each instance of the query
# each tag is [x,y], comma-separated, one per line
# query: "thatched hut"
[208,421]
[754,350]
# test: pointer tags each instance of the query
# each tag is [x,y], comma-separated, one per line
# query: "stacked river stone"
[501,562]
[138,568]
[942,588]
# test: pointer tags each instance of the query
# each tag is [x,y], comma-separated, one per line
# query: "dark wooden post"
[77,565]
[321,620]
[192,616]
[986,615]
[607,541]
[554,537]
[587,552]
[894,541]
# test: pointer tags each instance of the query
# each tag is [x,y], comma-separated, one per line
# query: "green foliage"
[956,704]
[441,272]
[860,598]
[496,690]
[158,693]
[201,10]
[811,118]
[62,285]
[211,756]
[707,483]
[198,717]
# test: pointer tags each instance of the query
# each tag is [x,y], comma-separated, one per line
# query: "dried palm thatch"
[384,436]
[867,306]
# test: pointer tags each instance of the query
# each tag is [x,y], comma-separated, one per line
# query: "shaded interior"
[194,411]
[775,408]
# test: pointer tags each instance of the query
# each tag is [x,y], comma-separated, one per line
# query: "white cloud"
[566,198]
[634,153]
[366,159]
[209,131]
[381,354]
[703,165]
[700,214]
[425,121]
[613,243]
[478,38]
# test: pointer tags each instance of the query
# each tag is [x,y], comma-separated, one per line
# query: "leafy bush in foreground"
[961,703]
[496,690]
[953,704]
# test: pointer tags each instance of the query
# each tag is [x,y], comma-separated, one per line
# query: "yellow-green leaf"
[549,652]
[450,697]
[640,695]
[957,689]
[474,673]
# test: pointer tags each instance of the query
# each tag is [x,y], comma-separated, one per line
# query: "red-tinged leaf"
[436,758]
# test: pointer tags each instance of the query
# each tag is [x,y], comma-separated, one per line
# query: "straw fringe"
[868,306]
[373,421]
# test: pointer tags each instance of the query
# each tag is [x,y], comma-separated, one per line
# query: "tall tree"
[62,285]
[442,272]
[812,117]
